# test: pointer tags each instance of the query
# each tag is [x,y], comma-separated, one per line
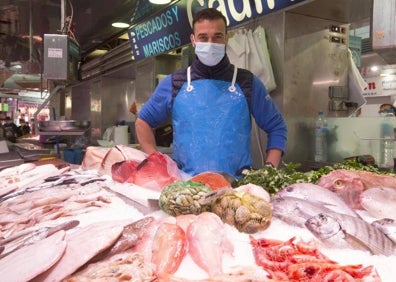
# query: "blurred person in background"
[10,130]
[24,128]
[385,107]
[2,132]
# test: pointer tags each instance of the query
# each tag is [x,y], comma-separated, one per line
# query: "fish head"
[292,190]
[323,226]
[384,222]
[281,206]
[336,180]
[345,184]
[292,210]
[297,190]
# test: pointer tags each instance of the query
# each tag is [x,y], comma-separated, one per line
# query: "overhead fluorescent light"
[159,2]
[120,25]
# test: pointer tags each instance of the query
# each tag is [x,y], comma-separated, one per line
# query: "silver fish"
[387,226]
[296,211]
[342,231]
[317,194]
[379,202]
[12,244]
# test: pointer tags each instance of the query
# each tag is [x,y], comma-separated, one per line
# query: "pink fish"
[349,184]
[207,242]
[184,220]
[379,202]
[372,179]
[169,248]
[154,172]
[145,244]
[346,184]
[121,171]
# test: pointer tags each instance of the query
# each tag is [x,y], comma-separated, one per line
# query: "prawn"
[304,262]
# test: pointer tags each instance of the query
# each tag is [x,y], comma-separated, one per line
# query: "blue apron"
[211,123]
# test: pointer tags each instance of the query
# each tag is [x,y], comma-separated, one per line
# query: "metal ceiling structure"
[91,20]
[23,24]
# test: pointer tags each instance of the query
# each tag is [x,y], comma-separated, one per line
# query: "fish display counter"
[125,215]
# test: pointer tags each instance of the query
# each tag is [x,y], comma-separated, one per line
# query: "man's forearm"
[274,157]
[145,136]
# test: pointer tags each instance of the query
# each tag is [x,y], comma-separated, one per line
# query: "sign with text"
[171,28]
[380,86]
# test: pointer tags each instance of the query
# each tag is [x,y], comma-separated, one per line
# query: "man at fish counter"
[211,102]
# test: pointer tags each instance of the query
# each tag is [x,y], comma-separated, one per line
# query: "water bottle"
[387,139]
[320,147]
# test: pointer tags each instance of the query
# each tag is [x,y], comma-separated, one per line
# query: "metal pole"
[30,35]
[53,92]
[63,13]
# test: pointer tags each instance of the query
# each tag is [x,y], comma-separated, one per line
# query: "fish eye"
[338,184]
[289,189]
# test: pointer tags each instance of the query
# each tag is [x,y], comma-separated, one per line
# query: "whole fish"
[317,194]
[387,226]
[130,236]
[346,184]
[295,211]
[12,244]
[169,248]
[82,245]
[342,231]
[379,202]
[349,184]
[207,242]
[372,179]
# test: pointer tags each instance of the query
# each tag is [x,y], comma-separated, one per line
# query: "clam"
[248,213]
[183,198]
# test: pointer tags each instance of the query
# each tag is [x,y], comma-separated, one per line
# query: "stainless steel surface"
[275,32]
[64,125]
[306,81]
[338,92]
[105,102]
[312,64]
[10,159]
[337,105]
[338,97]
[342,11]
[383,29]
[306,63]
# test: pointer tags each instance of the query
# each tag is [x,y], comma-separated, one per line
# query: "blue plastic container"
[73,156]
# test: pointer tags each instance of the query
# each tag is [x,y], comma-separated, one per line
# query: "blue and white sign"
[171,28]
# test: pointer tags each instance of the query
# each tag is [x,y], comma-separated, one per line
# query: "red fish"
[116,154]
[169,248]
[155,172]
[121,171]
[346,184]
[349,184]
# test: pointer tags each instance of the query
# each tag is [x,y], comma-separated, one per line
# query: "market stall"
[107,219]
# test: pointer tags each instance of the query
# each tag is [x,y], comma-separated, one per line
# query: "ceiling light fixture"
[120,25]
[159,2]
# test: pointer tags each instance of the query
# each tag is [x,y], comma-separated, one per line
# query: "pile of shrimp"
[302,261]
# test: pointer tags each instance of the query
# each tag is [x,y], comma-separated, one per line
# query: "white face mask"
[209,53]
